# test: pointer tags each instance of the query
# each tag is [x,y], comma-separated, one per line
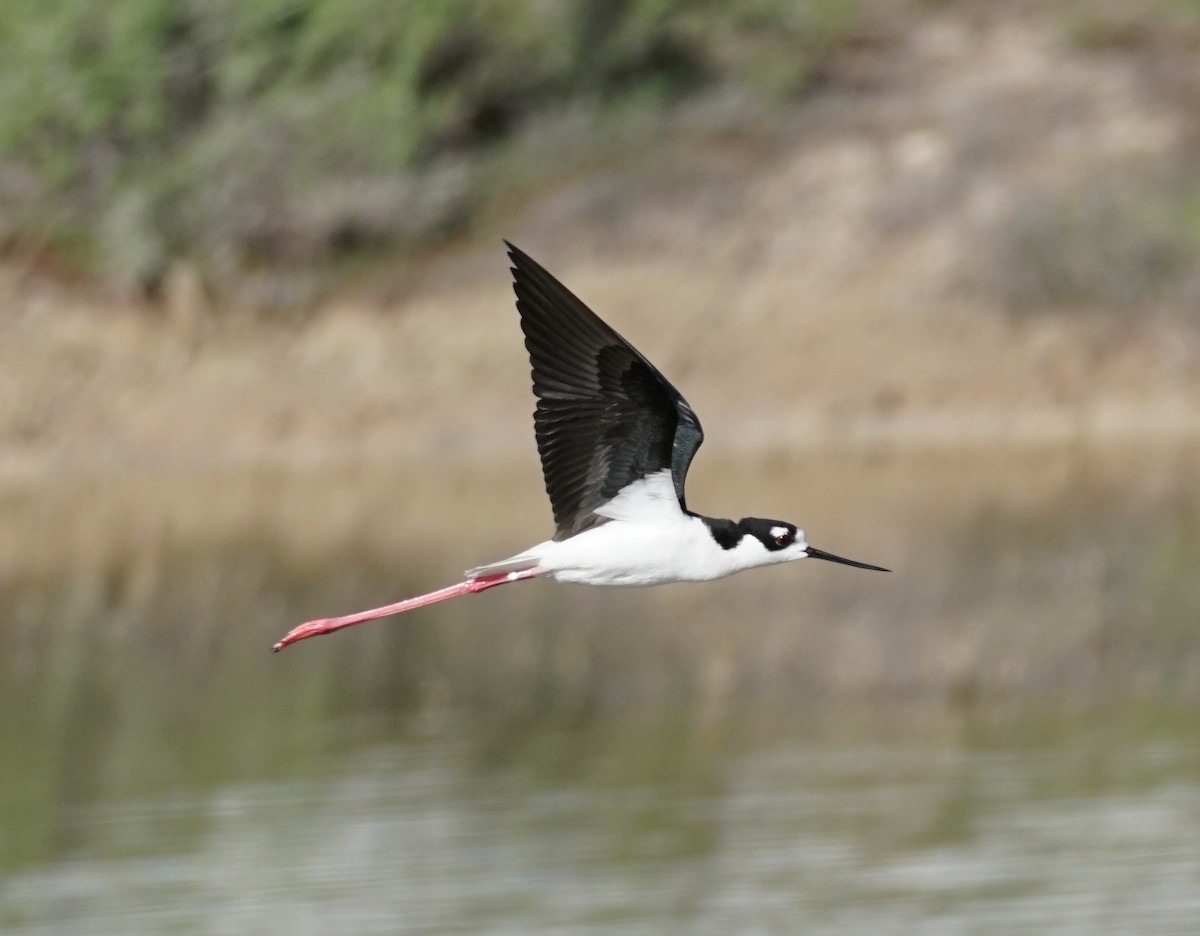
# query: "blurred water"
[1090,830]
[999,737]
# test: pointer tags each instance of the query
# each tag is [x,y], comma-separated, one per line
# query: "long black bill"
[830,557]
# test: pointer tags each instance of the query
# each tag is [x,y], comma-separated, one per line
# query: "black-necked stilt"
[616,440]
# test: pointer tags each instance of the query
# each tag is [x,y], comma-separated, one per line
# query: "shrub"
[1111,243]
[249,132]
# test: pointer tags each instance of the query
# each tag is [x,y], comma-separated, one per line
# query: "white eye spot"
[781,536]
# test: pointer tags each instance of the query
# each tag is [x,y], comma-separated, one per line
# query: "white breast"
[627,553]
[647,540]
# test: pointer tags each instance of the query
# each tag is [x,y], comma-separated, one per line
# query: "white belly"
[622,553]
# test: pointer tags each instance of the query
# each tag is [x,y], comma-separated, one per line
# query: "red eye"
[783,539]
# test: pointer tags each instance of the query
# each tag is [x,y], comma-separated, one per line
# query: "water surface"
[653,827]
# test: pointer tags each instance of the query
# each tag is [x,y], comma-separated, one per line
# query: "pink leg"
[468,587]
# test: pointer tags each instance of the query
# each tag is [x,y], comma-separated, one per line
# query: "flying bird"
[616,440]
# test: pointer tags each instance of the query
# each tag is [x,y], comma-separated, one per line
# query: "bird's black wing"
[605,416]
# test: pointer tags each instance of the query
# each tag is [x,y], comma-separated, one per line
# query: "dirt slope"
[810,281]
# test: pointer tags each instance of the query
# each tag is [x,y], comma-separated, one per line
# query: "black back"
[605,416]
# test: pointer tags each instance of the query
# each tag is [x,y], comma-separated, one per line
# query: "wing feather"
[605,416]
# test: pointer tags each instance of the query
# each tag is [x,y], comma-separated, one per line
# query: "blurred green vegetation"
[1118,242]
[277,132]
[1099,25]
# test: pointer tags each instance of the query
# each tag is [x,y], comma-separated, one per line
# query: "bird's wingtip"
[519,257]
[515,256]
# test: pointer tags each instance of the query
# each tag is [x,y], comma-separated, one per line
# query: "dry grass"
[1060,577]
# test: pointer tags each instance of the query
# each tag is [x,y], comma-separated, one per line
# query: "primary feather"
[605,416]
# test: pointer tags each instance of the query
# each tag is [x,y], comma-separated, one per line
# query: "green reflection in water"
[660,824]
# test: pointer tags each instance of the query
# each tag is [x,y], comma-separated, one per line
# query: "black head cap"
[773,534]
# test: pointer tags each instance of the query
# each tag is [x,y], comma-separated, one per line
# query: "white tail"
[521,562]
